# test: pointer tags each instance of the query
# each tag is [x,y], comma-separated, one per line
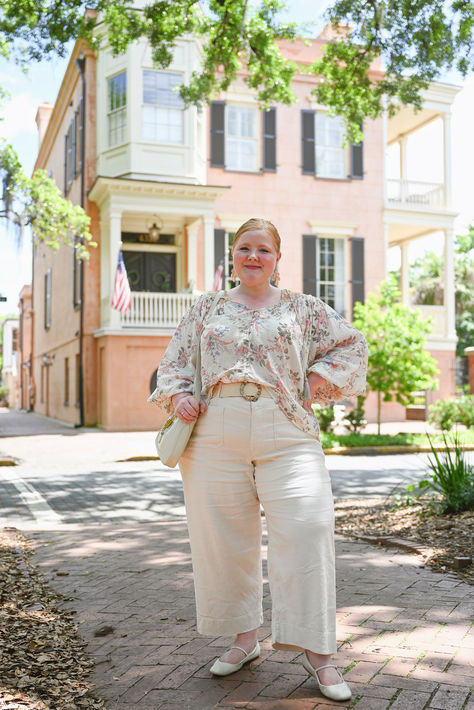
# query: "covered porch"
[166,233]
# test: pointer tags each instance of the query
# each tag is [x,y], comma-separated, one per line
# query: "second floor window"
[117,108]
[322,152]
[162,117]
[330,153]
[241,138]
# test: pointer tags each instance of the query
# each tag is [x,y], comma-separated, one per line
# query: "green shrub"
[325,416]
[466,410]
[446,412]
[354,421]
[452,478]
[3,394]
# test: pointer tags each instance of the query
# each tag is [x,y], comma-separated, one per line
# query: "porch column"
[208,252]
[403,168]
[404,273]
[110,237]
[449,301]
[447,154]
[192,231]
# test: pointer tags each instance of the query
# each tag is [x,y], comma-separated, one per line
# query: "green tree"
[417,42]
[37,202]
[426,279]
[396,335]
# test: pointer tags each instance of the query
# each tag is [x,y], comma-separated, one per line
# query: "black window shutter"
[309,264]
[357,258]
[80,141]
[269,140]
[308,158]
[73,146]
[219,247]
[218,134]
[357,159]
[66,147]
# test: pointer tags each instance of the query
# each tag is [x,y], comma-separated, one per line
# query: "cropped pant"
[243,454]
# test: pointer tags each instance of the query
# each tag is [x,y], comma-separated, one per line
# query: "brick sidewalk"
[403,629]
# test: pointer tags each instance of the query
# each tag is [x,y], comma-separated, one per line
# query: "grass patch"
[330,439]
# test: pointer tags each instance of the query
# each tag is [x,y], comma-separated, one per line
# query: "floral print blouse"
[276,346]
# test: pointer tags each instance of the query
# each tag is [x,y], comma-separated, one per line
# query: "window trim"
[113,112]
[258,138]
[157,141]
[345,152]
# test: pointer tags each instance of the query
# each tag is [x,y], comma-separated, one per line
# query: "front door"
[151,271]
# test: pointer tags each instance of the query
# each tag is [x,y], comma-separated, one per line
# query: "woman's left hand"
[314,381]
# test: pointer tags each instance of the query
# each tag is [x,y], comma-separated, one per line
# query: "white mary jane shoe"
[339,691]
[223,668]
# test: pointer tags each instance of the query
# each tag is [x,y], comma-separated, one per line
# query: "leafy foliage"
[396,335]
[354,421]
[452,477]
[445,413]
[37,202]
[325,417]
[417,42]
[426,278]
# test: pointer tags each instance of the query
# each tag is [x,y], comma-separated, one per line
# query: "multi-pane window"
[330,153]
[117,108]
[330,270]
[241,138]
[162,117]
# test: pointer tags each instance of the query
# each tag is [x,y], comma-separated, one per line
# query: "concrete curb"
[384,450]
[345,451]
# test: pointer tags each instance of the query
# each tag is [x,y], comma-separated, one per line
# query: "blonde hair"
[258,223]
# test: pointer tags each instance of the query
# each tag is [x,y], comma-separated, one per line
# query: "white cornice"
[104,187]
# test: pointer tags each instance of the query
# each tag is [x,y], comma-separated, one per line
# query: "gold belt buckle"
[250,397]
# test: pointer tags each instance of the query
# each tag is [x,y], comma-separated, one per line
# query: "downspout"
[81,65]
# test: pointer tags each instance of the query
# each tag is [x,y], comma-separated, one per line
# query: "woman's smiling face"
[255,257]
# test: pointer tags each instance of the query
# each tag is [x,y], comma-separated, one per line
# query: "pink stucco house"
[170,187]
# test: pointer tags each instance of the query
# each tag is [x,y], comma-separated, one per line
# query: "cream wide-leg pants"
[242,454]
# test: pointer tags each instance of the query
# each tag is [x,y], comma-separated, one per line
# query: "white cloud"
[18,117]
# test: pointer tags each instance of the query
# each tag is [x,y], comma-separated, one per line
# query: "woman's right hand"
[186,407]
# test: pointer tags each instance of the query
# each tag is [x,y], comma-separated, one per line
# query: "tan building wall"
[56,348]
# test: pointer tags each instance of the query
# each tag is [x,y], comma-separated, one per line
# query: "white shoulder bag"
[174,435]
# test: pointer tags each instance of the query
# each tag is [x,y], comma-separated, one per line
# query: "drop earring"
[275,280]
[234,276]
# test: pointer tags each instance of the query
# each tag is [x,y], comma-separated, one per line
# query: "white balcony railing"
[438,317]
[414,194]
[156,310]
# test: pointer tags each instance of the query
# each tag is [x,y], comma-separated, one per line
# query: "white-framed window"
[162,112]
[330,260]
[331,156]
[117,108]
[241,138]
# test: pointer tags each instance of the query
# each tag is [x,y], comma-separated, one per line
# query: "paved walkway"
[404,631]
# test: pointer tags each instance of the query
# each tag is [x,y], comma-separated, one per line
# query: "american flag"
[122,294]
[217,285]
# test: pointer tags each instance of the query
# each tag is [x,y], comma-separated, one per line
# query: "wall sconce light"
[155,230]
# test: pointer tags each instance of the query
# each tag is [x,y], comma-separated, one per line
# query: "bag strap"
[197,376]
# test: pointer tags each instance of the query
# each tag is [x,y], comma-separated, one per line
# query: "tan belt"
[250,391]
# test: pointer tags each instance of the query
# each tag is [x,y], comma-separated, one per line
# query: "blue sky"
[42,83]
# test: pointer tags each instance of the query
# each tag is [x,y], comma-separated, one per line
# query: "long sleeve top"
[276,346]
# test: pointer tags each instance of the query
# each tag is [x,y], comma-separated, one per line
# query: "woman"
[267,354]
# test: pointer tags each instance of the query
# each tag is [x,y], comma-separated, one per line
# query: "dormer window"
[162,115]
[117,108]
